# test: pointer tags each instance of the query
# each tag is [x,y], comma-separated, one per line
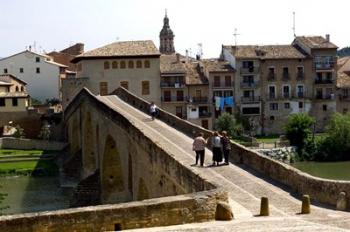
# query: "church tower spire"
[166,37]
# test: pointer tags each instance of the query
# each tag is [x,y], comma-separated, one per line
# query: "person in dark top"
[226,146]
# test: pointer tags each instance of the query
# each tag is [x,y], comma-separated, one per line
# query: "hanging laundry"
[222,103]
[217,103]
[229,101]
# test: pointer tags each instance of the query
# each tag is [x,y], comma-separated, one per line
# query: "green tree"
[298,129]
[45,132]
[228,123]
[336,145]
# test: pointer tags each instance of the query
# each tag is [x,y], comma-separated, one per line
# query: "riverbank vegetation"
[333,145]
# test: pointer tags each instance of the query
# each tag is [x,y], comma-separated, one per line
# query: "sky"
[54,25]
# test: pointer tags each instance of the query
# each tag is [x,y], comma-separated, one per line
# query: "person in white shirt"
[153,110]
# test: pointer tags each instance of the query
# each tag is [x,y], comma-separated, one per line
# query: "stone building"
[66,55]
[13,94]
[343,85]
[133,65]
[39,71]
[275,81]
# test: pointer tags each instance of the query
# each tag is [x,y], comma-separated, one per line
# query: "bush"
[298,129]
[228,123]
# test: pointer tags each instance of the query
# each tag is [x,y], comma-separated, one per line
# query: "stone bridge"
[120,155]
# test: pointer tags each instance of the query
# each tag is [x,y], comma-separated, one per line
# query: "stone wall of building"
[198,207]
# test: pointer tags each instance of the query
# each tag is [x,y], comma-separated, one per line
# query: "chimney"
[177,57]
[30,47]
[327,38]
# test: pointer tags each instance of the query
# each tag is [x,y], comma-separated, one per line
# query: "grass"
[24,152]
[268,139]
[27,167]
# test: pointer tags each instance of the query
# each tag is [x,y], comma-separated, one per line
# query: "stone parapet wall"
[180,124]
[198,207]
[30,144]
[321,190]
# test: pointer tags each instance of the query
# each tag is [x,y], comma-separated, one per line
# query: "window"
[179,111]
[251,110]
[287,105]
[106,65]
[37,70]
[103,88]
[273,106]
[228,93]
[124,84]
[272,92]
[139,64]
[122,64]
[272,118]
[114,65]
[300,91]
[319,94]
[16,89]
[147,64]
[179,95]
[145,87]
[167,96]
[216,81]
[286,92]
[345,110]
[5,70]
[198,93]
[271,74]
[21,70]
[228,81]
[14,102]
[329,76]
[37,59]
[324,107]
[285,73]
[301,105]
[131,64]
[22,89]
[2,102]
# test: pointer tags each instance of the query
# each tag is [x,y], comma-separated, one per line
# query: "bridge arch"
[112,181]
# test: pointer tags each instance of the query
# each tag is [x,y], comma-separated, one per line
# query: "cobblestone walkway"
[245,187]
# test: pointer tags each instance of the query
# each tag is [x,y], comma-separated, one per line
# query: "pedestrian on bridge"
[217,145]
[199,147]
[226,146]
[153,110]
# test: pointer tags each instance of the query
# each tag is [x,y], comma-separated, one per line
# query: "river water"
[32,194]
[327,170]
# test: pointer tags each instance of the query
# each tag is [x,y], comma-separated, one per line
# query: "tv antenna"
[235,35]
[294,24]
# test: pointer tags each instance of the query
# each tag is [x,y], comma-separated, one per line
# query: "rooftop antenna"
[294,24]
[235,35]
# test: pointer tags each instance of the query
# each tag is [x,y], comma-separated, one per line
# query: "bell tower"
[166,37]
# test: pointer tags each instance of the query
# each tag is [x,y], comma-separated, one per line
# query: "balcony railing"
[197,100]
[301,94]
[172,99]
[325,97]
[285,77]
[286,95]
[300,76]
[271,76]
[170,84]
[248,85]
[250,99]
[324,65]
[223,84]
[324,81]
[250,70]
[204,114]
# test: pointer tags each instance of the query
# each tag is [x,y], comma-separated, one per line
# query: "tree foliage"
[228,123]
[343,52]
[298,129]
[19,132]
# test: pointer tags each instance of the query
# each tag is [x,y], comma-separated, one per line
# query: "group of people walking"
[218,142]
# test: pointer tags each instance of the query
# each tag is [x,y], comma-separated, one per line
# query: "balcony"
[286,95]
[204,114]
[300,76]
[324,65]
[198,100]
[285,77]
[171,84]
[222,85]
[249,85]
[301,94]
[172,99]
[271,76]
[325,97]
[251,99]
[324,81]
[250,70]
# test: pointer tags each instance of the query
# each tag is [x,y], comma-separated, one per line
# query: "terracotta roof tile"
[343,77]
[315,42]
[266,52]
[170,64]
[121,49]
[216,65]
[195,74]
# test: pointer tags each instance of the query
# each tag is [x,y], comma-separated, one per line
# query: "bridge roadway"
[245,186]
